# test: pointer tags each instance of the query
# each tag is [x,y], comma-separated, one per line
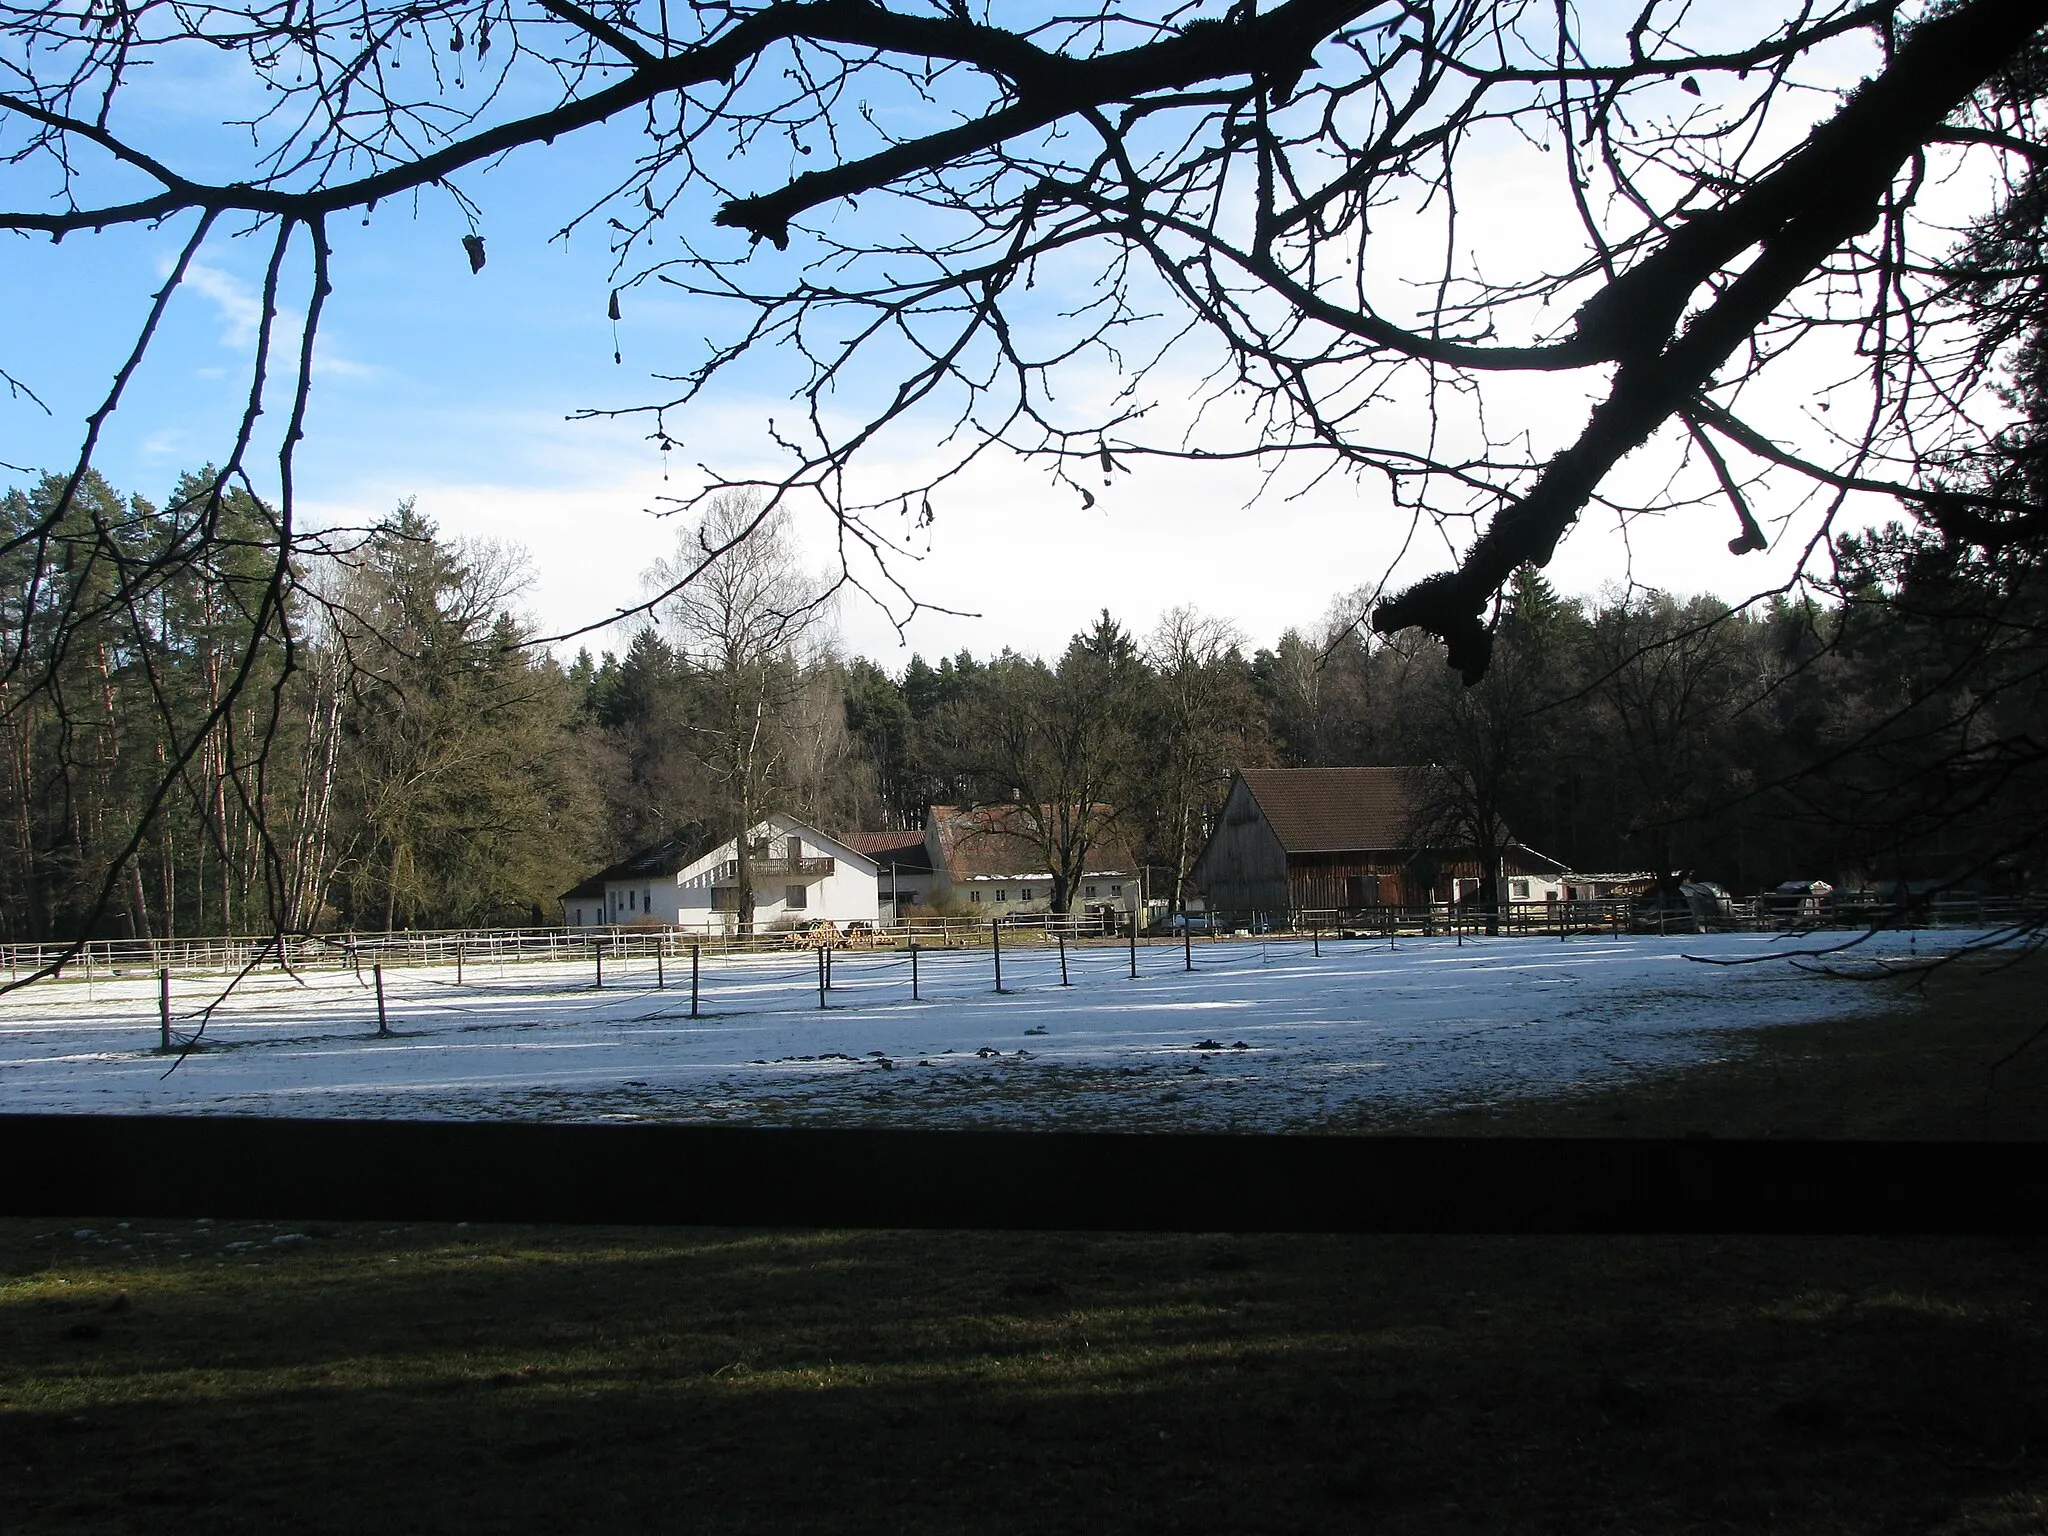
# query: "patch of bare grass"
[432,1378]
[1919,1071]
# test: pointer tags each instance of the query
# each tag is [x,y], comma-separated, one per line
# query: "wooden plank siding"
[1247,867]
[1243,868]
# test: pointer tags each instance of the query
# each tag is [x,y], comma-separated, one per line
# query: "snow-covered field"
[1257,1037]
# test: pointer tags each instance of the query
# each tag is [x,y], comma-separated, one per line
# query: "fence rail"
[1563,919]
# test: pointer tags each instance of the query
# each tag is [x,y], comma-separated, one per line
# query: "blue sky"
[455,388]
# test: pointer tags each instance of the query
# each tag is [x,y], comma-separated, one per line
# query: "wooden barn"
[1344,840]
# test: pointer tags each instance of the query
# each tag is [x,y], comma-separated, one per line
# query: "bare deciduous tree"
[740,610]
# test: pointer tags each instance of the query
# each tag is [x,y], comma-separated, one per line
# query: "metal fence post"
[821,975]
[597,953]
[995,934]
[1063,960]
[1134,951]
[660,976]
[383,1024]
[163,1006]
[1187,944]
[696,952]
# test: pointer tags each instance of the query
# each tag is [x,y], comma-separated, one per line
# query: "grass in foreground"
[186,1376]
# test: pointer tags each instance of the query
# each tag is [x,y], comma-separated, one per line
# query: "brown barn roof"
[978,840]
[1336,810]
[902,850]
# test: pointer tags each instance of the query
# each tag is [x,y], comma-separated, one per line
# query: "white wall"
[684,899]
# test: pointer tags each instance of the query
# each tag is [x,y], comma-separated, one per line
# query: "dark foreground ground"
[217,1376]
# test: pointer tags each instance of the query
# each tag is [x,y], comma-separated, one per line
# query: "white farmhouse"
[690,881]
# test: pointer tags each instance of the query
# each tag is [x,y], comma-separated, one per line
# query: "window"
[1116,890]
[629,901]
[793,896]
[974,895]
[1002,895]
[647,900]
[1025,894]
[1091,890]
[1518,890]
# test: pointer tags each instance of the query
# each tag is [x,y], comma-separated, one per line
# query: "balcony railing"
[775,869]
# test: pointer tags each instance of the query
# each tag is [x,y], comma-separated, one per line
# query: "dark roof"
[1353,810]
[1336,810]
[979,840]
[902,851]
[654,861]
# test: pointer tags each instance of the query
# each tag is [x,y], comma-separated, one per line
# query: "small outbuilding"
[905,865]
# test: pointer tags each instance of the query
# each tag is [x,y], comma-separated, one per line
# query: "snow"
[1260,1036]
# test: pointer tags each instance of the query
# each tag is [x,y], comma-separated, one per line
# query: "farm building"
[905,866]
[1296,840]
[982,862]
[691,880]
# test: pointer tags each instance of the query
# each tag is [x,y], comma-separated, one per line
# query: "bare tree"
[1482,746]
[741,610]
[1224,204]
[1201,723]
[1056,743]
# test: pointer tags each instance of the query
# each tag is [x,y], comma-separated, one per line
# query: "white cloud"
[239,306]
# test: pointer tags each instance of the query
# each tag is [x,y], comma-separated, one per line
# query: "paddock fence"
[659,946]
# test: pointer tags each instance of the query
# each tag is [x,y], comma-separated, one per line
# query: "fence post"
[1315,935]
[597,952]
[1187,943]
[995,934]
[1063,960]
[913,971]
[383,1025]
[821,975]
[163,1006]
[458,965]
[1134,951]
[696,952]
[660,976]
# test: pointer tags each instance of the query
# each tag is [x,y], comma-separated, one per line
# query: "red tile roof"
[979,840]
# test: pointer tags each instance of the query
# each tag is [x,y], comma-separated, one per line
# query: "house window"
[1002,895]
[1116,890]
[974,895]
[793,896]
[1025,894]
[1518,890]
[629,901]
[1091,890]
[647,900]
